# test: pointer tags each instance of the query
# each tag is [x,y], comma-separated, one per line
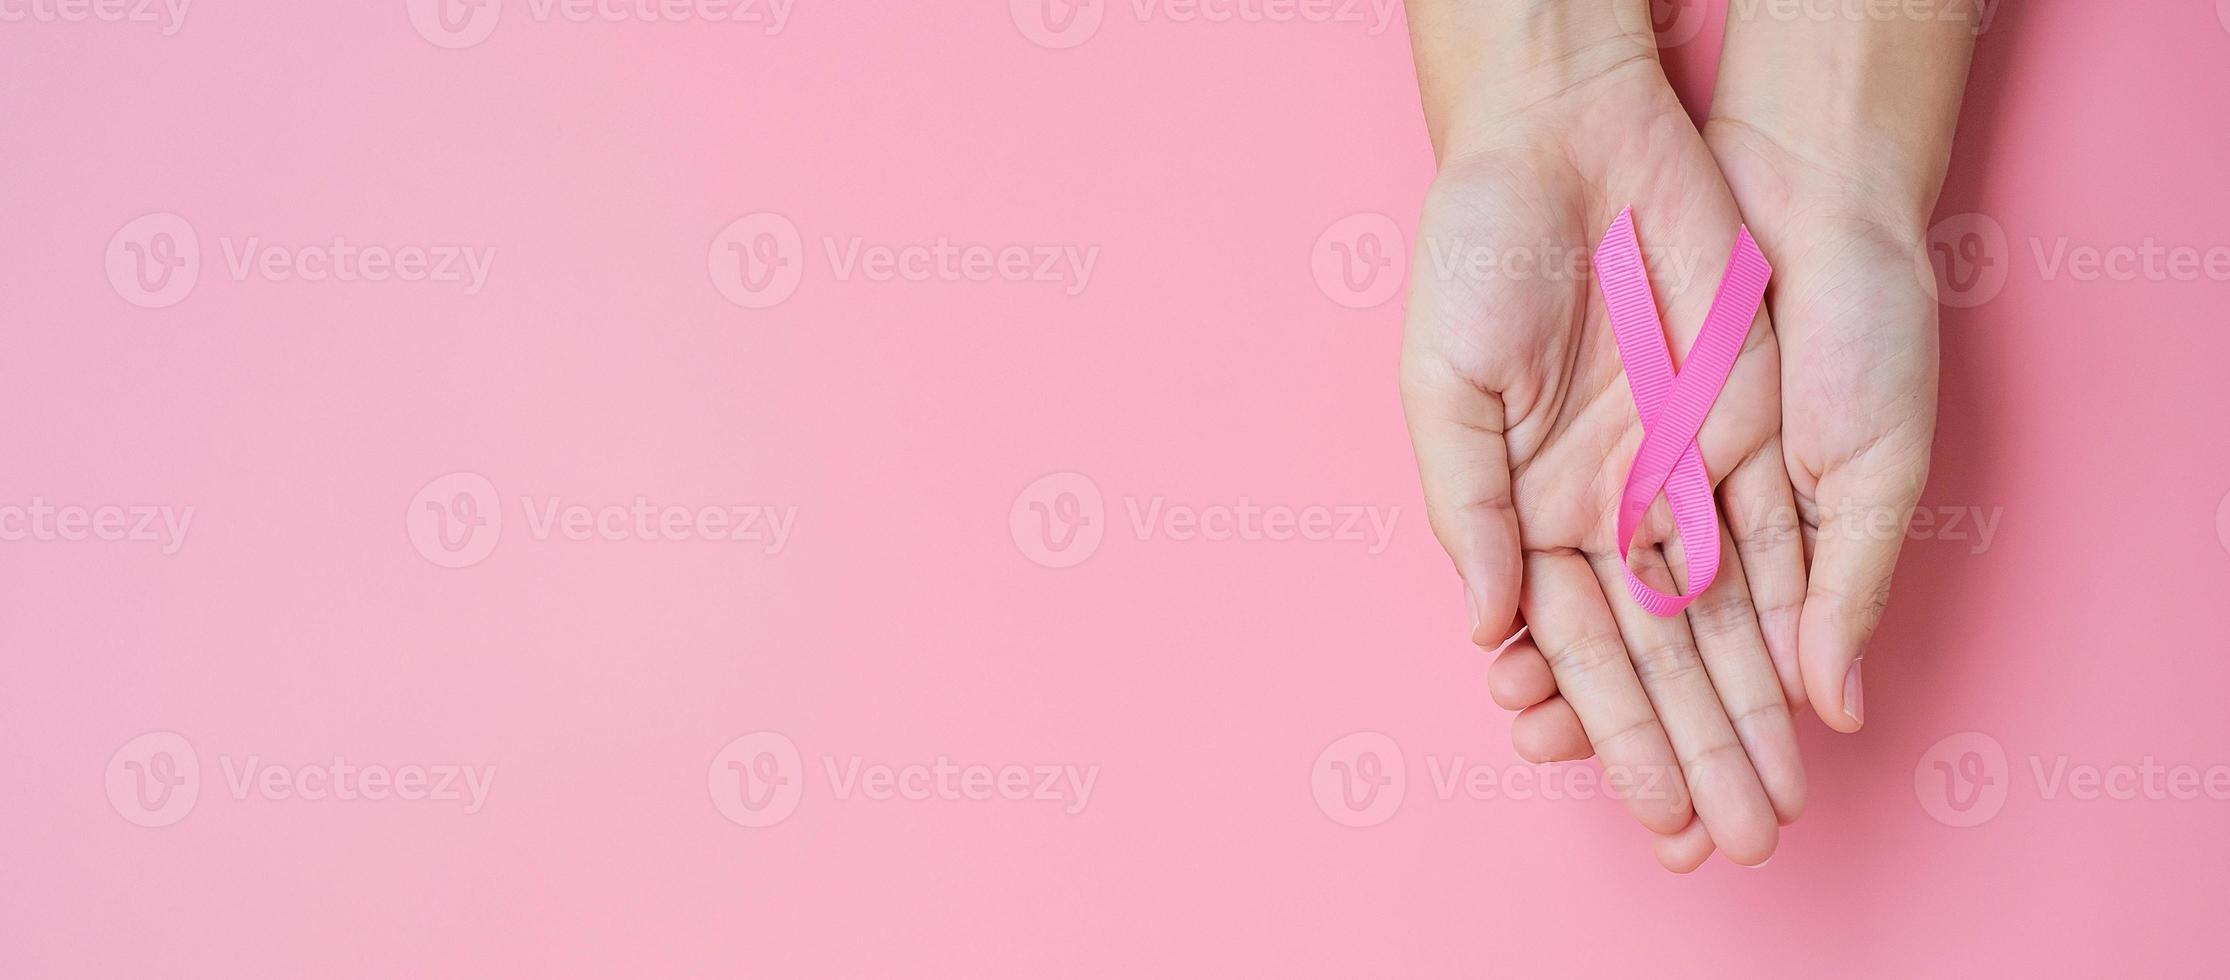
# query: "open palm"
[1857,323]
[1524,428]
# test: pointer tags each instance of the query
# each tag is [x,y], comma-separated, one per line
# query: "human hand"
[1524,426]
[1858,372]
[1835,137]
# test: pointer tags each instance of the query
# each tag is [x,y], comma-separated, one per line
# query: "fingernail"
[1505,645]
[1471,602]
[1854,694]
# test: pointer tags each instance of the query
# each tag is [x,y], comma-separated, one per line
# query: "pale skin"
[1829,140]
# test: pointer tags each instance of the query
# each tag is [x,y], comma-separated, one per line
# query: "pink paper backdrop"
[1029,575]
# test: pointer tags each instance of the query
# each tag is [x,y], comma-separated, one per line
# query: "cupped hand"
[1856,316]
[1524,428]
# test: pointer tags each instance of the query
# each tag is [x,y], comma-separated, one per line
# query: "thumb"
[1854,552]
[1463,463]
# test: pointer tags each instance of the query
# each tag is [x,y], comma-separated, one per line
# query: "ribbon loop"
[1672,405]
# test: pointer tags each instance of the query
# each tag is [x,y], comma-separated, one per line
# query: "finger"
[1728,796]
[1550,732]
[1853,554]
[1684,851]
[1726,629]
[1520,678]
[1573,627]
[1464,465]
[1761,514]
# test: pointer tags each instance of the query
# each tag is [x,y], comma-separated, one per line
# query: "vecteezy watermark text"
[943,779]
[1060,519]
[1059,24]
[340,779]
[758,780]
[1971,525]
[1966,779]
[155,780]
[1672,268]
[158,524]
[458,24]
[156,260]
[170,14]
[759,260]
[1978,14]
[1967,259]
[456,519]
[1361,780]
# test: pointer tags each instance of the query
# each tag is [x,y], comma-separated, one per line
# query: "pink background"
[906,618]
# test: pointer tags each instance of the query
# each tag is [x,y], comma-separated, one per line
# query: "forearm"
[1862,95]
[1478,59]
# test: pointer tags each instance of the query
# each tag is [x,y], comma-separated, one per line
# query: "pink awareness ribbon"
[1672,406]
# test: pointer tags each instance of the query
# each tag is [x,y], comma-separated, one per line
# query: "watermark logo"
[1458,259]
[170,14]
[1969,259]
[944,260]
[1971,526]
[154,261]
[1371,526]
[1058,520]
[1359,779]
[756,780]
[757,261]
[455,520]
[1965,259]
[345,781]
[1061,519]
[2148,260]
[2222,514]
[1457,778]
[1358,261]
[1978,14]
[455,24]
[1963,779]
[1676,22]
[1067,785]
[1948,522]
[157,524]
[341,260]
[154,779]
[1057,24]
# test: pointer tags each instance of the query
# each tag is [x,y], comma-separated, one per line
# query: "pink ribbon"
[1672,406]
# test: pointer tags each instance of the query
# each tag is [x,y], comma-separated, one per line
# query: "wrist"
[1852,114]
[1482,62]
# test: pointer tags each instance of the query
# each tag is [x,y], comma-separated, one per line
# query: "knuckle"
[1781,608]
[1589,654]
[1758,529]
[1766,710]
[1614,744]
[1703,757]
[1672,662]
[1864,606]
[1722,614]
